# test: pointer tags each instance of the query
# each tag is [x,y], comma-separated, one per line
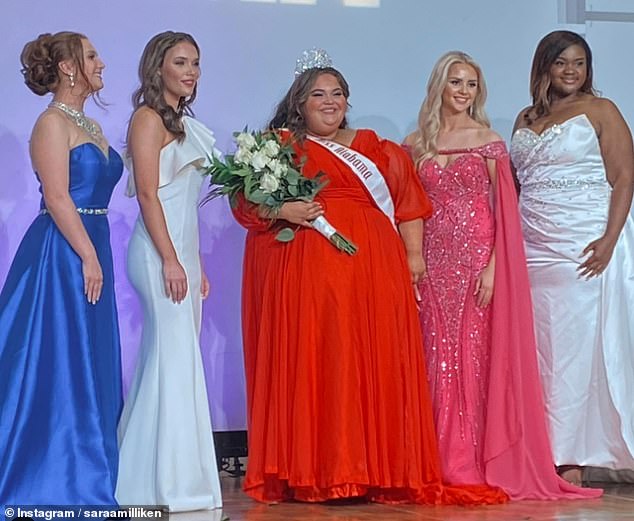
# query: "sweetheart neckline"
[555,125]
[453,161]
[105,155]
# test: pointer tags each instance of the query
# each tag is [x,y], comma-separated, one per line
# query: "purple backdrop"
[248,54]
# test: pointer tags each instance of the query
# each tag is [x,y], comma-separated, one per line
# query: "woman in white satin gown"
[575,165]
[167,455]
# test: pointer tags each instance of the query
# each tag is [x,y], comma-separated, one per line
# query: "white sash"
[367,172]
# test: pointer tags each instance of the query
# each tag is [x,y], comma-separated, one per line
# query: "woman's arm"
[412,236]
[615,141]
[485,281]
[50,144]
[520,122]
[205,287]
[254,218]
[146,137]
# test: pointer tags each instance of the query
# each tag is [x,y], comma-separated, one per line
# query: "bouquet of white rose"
[264,171]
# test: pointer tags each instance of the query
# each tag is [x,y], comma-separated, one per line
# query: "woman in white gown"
[167,455]
[575,165]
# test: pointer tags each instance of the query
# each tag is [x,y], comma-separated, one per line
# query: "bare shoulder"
[146,126]
[521,121]
[51,126]
[145,116]
[488,135]
[410,140]
[51,120]
[604,115]
[470,137]
[601,108]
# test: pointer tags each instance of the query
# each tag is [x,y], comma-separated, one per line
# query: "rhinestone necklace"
[80,120]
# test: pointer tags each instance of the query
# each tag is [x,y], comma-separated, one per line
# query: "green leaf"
[292,177]
[257,196]
[241,172]
[285,235]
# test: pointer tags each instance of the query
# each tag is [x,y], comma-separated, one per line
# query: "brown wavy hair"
[150,92]
[548,50]
[41,57]
[290,111]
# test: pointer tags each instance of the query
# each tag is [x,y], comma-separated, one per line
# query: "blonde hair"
[426,136]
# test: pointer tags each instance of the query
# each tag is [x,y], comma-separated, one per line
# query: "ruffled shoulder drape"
[195,150]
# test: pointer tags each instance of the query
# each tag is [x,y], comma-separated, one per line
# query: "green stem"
[343,244]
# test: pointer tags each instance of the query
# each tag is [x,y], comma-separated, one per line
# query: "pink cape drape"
[517,451]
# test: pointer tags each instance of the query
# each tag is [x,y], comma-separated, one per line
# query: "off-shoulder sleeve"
[494,150]
[410,199]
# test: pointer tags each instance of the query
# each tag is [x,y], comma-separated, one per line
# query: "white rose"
[245,140]
[268,183]
[279,170]
[243,156]
[271,148]
[272,165]
[258,161]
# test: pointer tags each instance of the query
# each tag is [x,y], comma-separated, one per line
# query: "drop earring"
[71,77]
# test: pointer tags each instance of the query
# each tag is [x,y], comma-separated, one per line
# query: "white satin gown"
[585,328]
[167,455]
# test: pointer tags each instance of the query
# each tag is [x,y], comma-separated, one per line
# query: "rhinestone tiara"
[312,59]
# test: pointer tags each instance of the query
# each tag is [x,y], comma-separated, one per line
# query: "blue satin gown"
[60,375]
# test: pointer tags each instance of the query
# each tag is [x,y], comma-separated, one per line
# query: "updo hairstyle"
[41,57]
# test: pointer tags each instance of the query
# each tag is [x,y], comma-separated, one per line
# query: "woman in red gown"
[337,397]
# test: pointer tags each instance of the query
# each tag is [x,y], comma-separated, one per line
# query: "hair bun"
[38,67]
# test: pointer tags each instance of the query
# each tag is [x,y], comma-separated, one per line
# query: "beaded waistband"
[84,211]
[564,184]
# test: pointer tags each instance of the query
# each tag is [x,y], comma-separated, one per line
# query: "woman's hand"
[175,280]
[484,286]
[417,266]
[93,279]
[300,212]
[204,285]
[594,265]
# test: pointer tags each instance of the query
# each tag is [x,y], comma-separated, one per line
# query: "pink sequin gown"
[482,362]
[458,241]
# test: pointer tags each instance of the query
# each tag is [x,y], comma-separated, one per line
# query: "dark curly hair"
[150,93]
[41,57]
[548,50]
[290,111]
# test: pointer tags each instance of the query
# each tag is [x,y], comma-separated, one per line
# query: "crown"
[312,59]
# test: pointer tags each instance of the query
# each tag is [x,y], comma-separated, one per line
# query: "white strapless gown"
[167,455]
[585,328]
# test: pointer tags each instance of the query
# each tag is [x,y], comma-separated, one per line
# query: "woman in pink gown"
[476,311]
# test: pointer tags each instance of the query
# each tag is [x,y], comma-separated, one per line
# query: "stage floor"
[617,504]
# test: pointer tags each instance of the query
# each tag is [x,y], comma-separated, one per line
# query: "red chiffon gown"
[482,362]
[337,396]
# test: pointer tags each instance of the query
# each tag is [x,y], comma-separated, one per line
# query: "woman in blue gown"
[60,379]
